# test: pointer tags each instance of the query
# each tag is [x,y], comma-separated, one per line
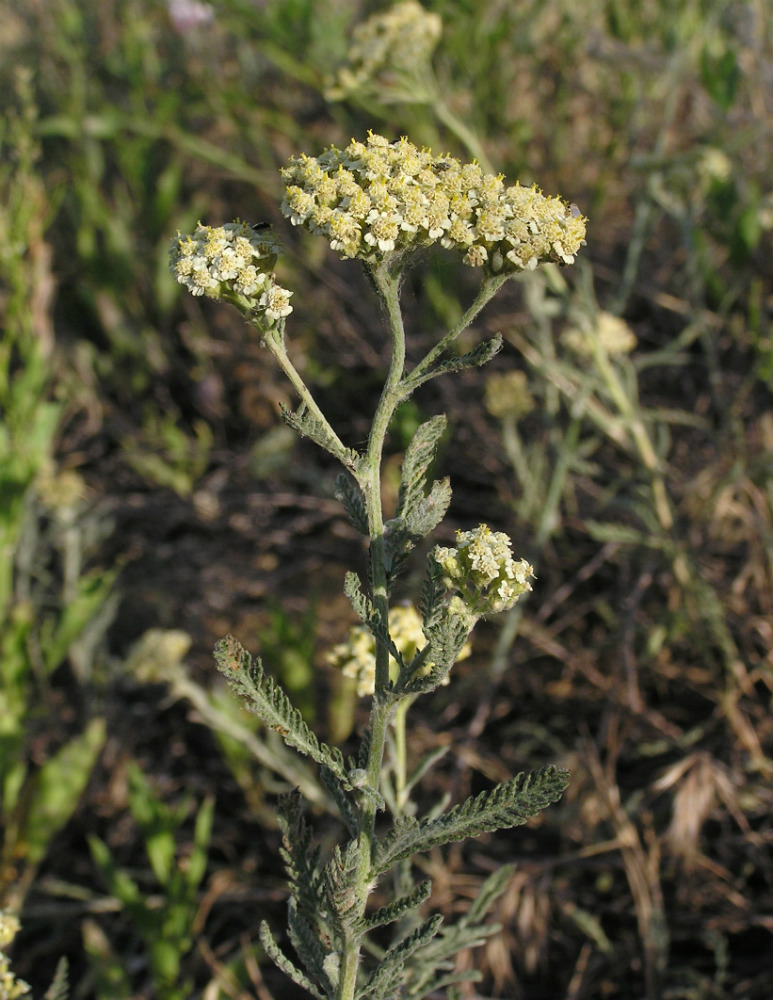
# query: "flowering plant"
[380,202]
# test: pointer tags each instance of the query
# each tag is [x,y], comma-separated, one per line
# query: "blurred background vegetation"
[151,499]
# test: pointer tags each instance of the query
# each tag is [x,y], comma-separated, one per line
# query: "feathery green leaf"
[265,698]
[478,356]
[506,805]
[404,904]
[307,425]
[385,979]
[350,495]
[282,962]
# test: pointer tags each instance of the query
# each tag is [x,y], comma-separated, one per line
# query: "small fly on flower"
[442,165]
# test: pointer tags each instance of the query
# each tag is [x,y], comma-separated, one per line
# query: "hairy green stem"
[369,478]
[488,289]
[275,345]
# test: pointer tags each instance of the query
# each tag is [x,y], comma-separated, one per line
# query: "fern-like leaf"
[282,962]
[307,425]
[400,907]
[419,455]
[350,495]
[430,966]
[60,987]
[301,861]
[506,805]
[311,950]
[340,886]
[427,514]
[445,641]
[266,699]
[368,615]
[333,785]
[384,980]
[480,355]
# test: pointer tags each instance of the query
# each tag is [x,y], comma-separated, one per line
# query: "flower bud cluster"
[356,656]
[508,395]
[399,41]
[611,332]
[481,571]
[377,198]
[232,262]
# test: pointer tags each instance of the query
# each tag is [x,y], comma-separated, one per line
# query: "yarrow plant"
[380,203]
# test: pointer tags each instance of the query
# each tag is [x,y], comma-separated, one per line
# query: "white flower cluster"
[10,986]
[376,198]
[356,657]
[400,40]
[482,572]
[231,261]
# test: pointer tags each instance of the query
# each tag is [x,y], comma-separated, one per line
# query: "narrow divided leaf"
[509,804]
[350,495]
[307,425]
[282,962]
[383,982]
[480,355]
[397,909]
[266,699]
[418,457]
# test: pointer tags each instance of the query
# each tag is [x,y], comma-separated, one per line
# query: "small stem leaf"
[383,982]
[306,424]
[369,616]
[418,457]
[282,962]
[477,357]
[508,804]
[60,987]
[445,642]
[397,909]
[310,949]
[301,862]
[340,887]
[488,894]
[427,514]
[332,784]
[430,965]
[358,600]
[350,495]
[266,699]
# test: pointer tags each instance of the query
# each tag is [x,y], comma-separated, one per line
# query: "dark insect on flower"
[261,225]
[441,165]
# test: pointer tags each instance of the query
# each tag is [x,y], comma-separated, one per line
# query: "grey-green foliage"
[350,496]
[420,508]
[306,424]
[369,616]
[266,699]
[60,987]
[480,355]
[323,914]
[508,804]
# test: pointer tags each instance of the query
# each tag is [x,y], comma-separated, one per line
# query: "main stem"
[369,479]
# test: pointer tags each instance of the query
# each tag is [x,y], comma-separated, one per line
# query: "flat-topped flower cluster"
[234,259]
[482,573]
[376,198]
